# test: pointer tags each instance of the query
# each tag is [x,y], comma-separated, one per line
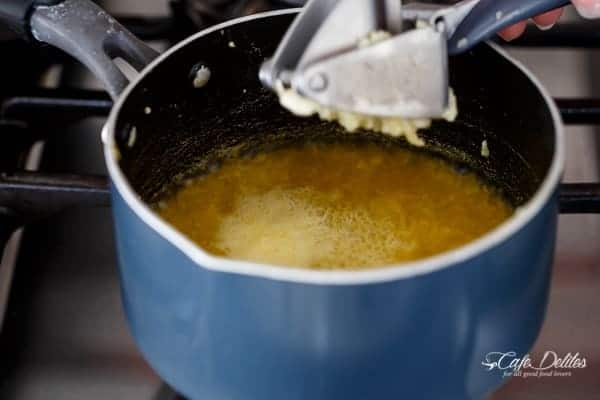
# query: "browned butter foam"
[334,206]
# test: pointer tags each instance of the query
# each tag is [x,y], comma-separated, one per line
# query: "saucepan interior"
[179,130]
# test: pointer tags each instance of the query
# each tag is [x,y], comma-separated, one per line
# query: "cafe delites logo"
[550,364]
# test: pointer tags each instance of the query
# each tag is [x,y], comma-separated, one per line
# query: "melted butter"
[338,206]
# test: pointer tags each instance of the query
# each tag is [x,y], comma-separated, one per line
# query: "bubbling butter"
[340,206]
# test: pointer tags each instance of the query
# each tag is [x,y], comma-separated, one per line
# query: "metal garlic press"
[331,54]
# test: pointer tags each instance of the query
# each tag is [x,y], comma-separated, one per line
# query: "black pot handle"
[85,31]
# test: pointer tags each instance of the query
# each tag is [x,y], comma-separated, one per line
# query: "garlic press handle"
[490,16]
[296,40]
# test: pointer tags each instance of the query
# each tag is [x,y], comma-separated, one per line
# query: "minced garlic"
[485,150]
[351,121]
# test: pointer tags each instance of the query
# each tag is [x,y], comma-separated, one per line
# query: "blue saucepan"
[216,328]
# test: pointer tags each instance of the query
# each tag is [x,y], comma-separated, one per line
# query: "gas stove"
[62,330]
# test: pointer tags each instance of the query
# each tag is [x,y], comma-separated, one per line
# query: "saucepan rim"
[330,277]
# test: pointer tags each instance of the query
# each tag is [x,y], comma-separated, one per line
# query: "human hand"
[587,9]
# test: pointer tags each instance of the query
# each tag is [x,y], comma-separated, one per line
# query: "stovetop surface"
[67,337]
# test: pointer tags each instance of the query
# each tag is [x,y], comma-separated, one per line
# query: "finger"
[513,32]
[547,20]
[588,8]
